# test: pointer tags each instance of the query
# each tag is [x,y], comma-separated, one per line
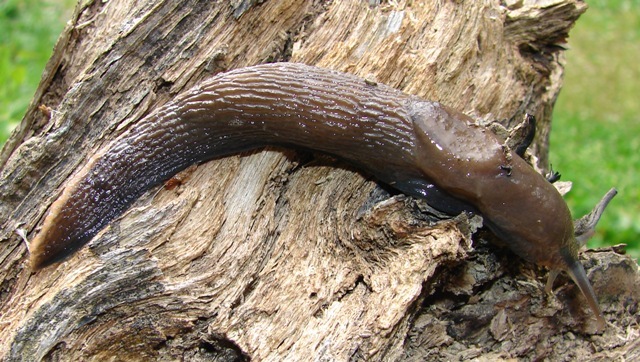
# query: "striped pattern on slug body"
[422,148]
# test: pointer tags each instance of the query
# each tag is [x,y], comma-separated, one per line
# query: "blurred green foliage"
[595,140]
[28,31]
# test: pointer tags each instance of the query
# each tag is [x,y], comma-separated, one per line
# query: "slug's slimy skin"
[421,148]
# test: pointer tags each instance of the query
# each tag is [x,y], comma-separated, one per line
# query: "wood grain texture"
[310,258]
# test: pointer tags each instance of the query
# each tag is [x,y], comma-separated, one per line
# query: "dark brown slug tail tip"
[577,273]
[38,261]
[46,250]
[43,256]
[39,258]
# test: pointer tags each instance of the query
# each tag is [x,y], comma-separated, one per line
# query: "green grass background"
[596,133]
[595,140]
[28,31]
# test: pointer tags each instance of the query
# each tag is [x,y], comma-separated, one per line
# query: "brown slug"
[419,147]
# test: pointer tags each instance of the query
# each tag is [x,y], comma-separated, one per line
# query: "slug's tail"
[577,273]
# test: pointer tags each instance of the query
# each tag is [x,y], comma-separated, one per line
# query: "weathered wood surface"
[281,254]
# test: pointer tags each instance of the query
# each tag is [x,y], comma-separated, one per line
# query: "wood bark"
[281,254]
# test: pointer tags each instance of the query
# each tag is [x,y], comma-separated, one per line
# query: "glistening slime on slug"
[419,147]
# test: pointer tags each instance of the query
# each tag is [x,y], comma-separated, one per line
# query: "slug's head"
[517,203]
[550,243]
[584,229]
[542,231]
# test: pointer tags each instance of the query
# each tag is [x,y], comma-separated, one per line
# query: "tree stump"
[282,254]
